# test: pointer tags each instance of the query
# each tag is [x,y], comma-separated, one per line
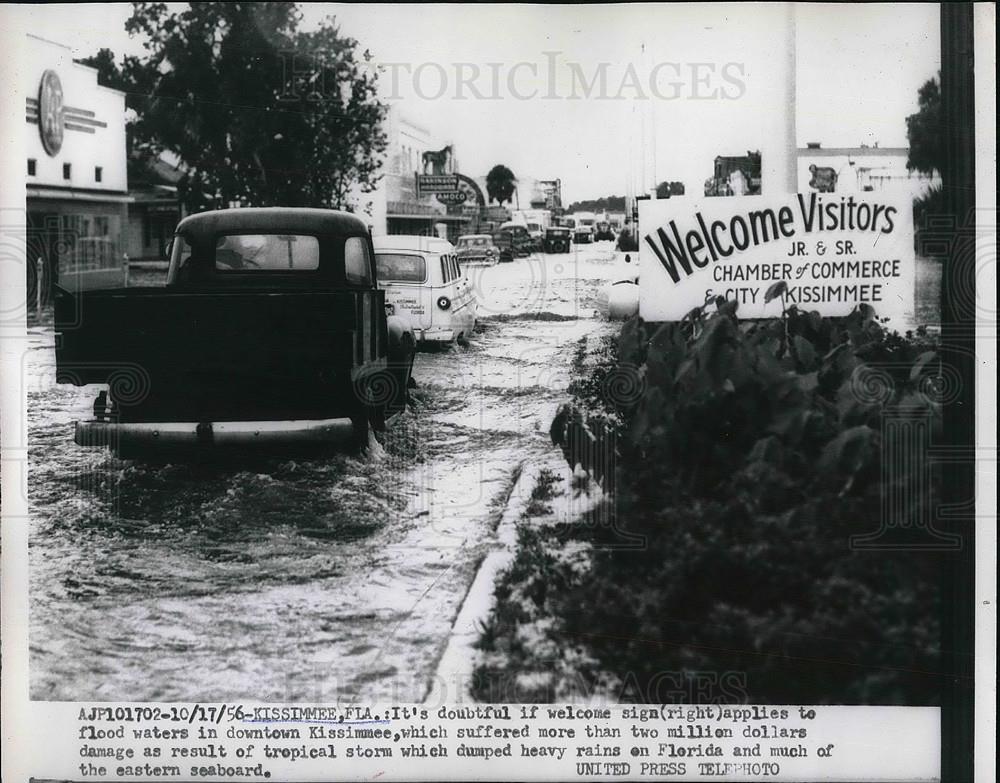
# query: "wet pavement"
[333,579]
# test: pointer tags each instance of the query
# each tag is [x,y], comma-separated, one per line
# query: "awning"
[433,218]
[73,194]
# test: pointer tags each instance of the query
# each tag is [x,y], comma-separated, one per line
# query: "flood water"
[333,579]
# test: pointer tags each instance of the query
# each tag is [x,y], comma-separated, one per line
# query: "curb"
[453,675]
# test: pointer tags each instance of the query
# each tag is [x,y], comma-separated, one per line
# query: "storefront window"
[88,242]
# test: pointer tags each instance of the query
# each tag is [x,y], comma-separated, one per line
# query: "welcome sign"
[833,252]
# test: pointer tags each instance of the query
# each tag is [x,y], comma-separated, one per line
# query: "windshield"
[400,268]
[473,242]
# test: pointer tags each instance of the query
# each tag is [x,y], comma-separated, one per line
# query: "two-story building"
[396,207]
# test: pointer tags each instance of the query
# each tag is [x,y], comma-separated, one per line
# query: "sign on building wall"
[450,189]
[51,118]
[436,183]
[833,252]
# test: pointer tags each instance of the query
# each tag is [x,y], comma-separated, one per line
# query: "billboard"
[833,253]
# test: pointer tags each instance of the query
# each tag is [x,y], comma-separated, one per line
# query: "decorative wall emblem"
[54,117]
[50,113]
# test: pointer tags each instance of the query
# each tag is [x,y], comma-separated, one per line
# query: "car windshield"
[473,242]
[400,268]
[266,252]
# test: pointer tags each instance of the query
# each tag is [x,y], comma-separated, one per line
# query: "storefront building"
[153,210]
[75,170]
[396,205]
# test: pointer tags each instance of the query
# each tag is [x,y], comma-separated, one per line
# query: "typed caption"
[495,742]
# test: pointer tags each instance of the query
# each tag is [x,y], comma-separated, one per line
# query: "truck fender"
[402,340]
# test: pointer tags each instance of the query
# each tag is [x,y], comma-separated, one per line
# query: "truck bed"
[233,355]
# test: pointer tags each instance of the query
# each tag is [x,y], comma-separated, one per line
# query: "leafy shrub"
[928,211]
[748,458]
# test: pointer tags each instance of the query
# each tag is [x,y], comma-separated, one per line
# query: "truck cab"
[271,330]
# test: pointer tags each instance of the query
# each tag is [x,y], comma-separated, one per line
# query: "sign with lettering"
[436,183]
[833,252]
[451,197]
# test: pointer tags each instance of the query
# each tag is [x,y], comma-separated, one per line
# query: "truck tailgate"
[174,355]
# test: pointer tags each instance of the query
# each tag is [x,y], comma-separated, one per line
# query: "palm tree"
[501,184]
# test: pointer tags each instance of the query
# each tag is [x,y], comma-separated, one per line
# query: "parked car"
[583,234]
[477,249]
[557,240]
[504,242]
[425,284]
[270,331]
[521,238]
[537,235]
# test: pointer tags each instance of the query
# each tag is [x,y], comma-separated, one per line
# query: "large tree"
[500,184]
[923,131]
[259,112]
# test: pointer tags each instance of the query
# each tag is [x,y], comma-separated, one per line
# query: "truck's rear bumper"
[208,434]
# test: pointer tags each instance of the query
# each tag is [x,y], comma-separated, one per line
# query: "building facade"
[396,206]
[153,210]
[76,171]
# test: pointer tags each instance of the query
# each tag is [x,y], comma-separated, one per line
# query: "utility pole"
[779,158]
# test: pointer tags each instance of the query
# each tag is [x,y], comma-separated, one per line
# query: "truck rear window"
[400,268]
[266,252]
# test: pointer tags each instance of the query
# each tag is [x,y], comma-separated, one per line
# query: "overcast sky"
[703,80]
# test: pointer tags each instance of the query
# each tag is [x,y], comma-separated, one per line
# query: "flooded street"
[333,579]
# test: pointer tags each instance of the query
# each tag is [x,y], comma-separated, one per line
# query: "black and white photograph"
[428,362]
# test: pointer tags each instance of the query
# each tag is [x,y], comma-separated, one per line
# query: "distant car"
[521,239]
[504,242]
[557,240]
[425,284]
[537,235]
[603,231]
[583,234]
[477,249]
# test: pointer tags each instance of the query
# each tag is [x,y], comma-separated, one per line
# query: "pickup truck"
[271,330]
